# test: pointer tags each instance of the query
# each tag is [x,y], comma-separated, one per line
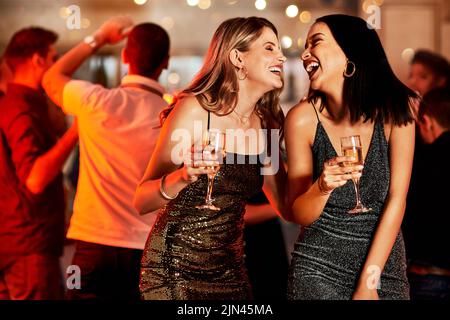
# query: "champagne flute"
[213,145]
[351,147]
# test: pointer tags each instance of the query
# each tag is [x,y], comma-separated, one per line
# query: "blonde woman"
[196,253]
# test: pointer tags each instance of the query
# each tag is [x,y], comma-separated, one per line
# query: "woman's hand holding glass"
[335,174]
[213,151]
[196,164]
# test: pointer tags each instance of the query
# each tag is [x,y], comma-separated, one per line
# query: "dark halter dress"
[329,255]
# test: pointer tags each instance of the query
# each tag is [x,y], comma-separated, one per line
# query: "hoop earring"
[239,74]
[349,75]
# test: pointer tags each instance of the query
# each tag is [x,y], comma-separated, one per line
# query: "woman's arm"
[255,214]
[275,187]
[304,196]
[172,149]
[401,158]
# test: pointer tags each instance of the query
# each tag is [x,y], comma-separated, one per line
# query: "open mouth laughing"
[311,67]
[277,70]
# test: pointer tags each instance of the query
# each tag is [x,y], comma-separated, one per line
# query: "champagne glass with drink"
[213,151]
[351,147]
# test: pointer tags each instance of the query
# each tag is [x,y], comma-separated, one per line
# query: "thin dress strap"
[209,118]
[315,110]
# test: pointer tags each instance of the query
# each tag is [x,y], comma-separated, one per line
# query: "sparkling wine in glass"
[213,146]
[351,147]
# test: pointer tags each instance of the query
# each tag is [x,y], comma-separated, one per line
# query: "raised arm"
[171,157]
[111,32]
[401,158]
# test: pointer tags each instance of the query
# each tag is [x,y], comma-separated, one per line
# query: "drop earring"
[242,73]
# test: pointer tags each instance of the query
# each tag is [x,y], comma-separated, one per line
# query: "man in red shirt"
[5,76]
[31,198]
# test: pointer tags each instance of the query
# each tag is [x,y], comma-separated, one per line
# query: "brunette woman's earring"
[350,74]
[242,73]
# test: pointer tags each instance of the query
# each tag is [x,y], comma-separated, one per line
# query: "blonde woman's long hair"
[216,85]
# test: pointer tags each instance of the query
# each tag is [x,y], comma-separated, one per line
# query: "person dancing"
[353,91]
[198,253]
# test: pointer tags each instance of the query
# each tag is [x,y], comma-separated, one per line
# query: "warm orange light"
[168,98]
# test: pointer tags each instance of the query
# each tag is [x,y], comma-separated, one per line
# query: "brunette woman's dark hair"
[373,92]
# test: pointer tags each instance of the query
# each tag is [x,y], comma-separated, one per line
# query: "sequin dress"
[330,253]
[194,254]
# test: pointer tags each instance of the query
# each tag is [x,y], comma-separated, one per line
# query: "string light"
[192,3]
[140,2]
[260,4]
[408,54]
[204,4]
[305,17]
[168,23]
[286,42]
[292,11]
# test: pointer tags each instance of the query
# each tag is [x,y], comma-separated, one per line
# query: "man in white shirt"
[118,130]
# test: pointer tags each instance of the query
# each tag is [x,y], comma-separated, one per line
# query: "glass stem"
[358,194]
[208,199]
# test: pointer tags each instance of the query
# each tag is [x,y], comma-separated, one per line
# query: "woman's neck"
[335,106]
[247,99]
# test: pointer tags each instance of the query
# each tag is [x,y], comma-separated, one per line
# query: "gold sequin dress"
[194,254]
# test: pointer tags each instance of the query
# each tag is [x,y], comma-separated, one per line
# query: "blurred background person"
[32,199]
[428,71]
[6,76]
[266,256]
[118,131]
[427,220]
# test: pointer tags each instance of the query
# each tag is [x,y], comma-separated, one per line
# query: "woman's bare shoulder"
[189,106]
[302,116]
[186,111]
